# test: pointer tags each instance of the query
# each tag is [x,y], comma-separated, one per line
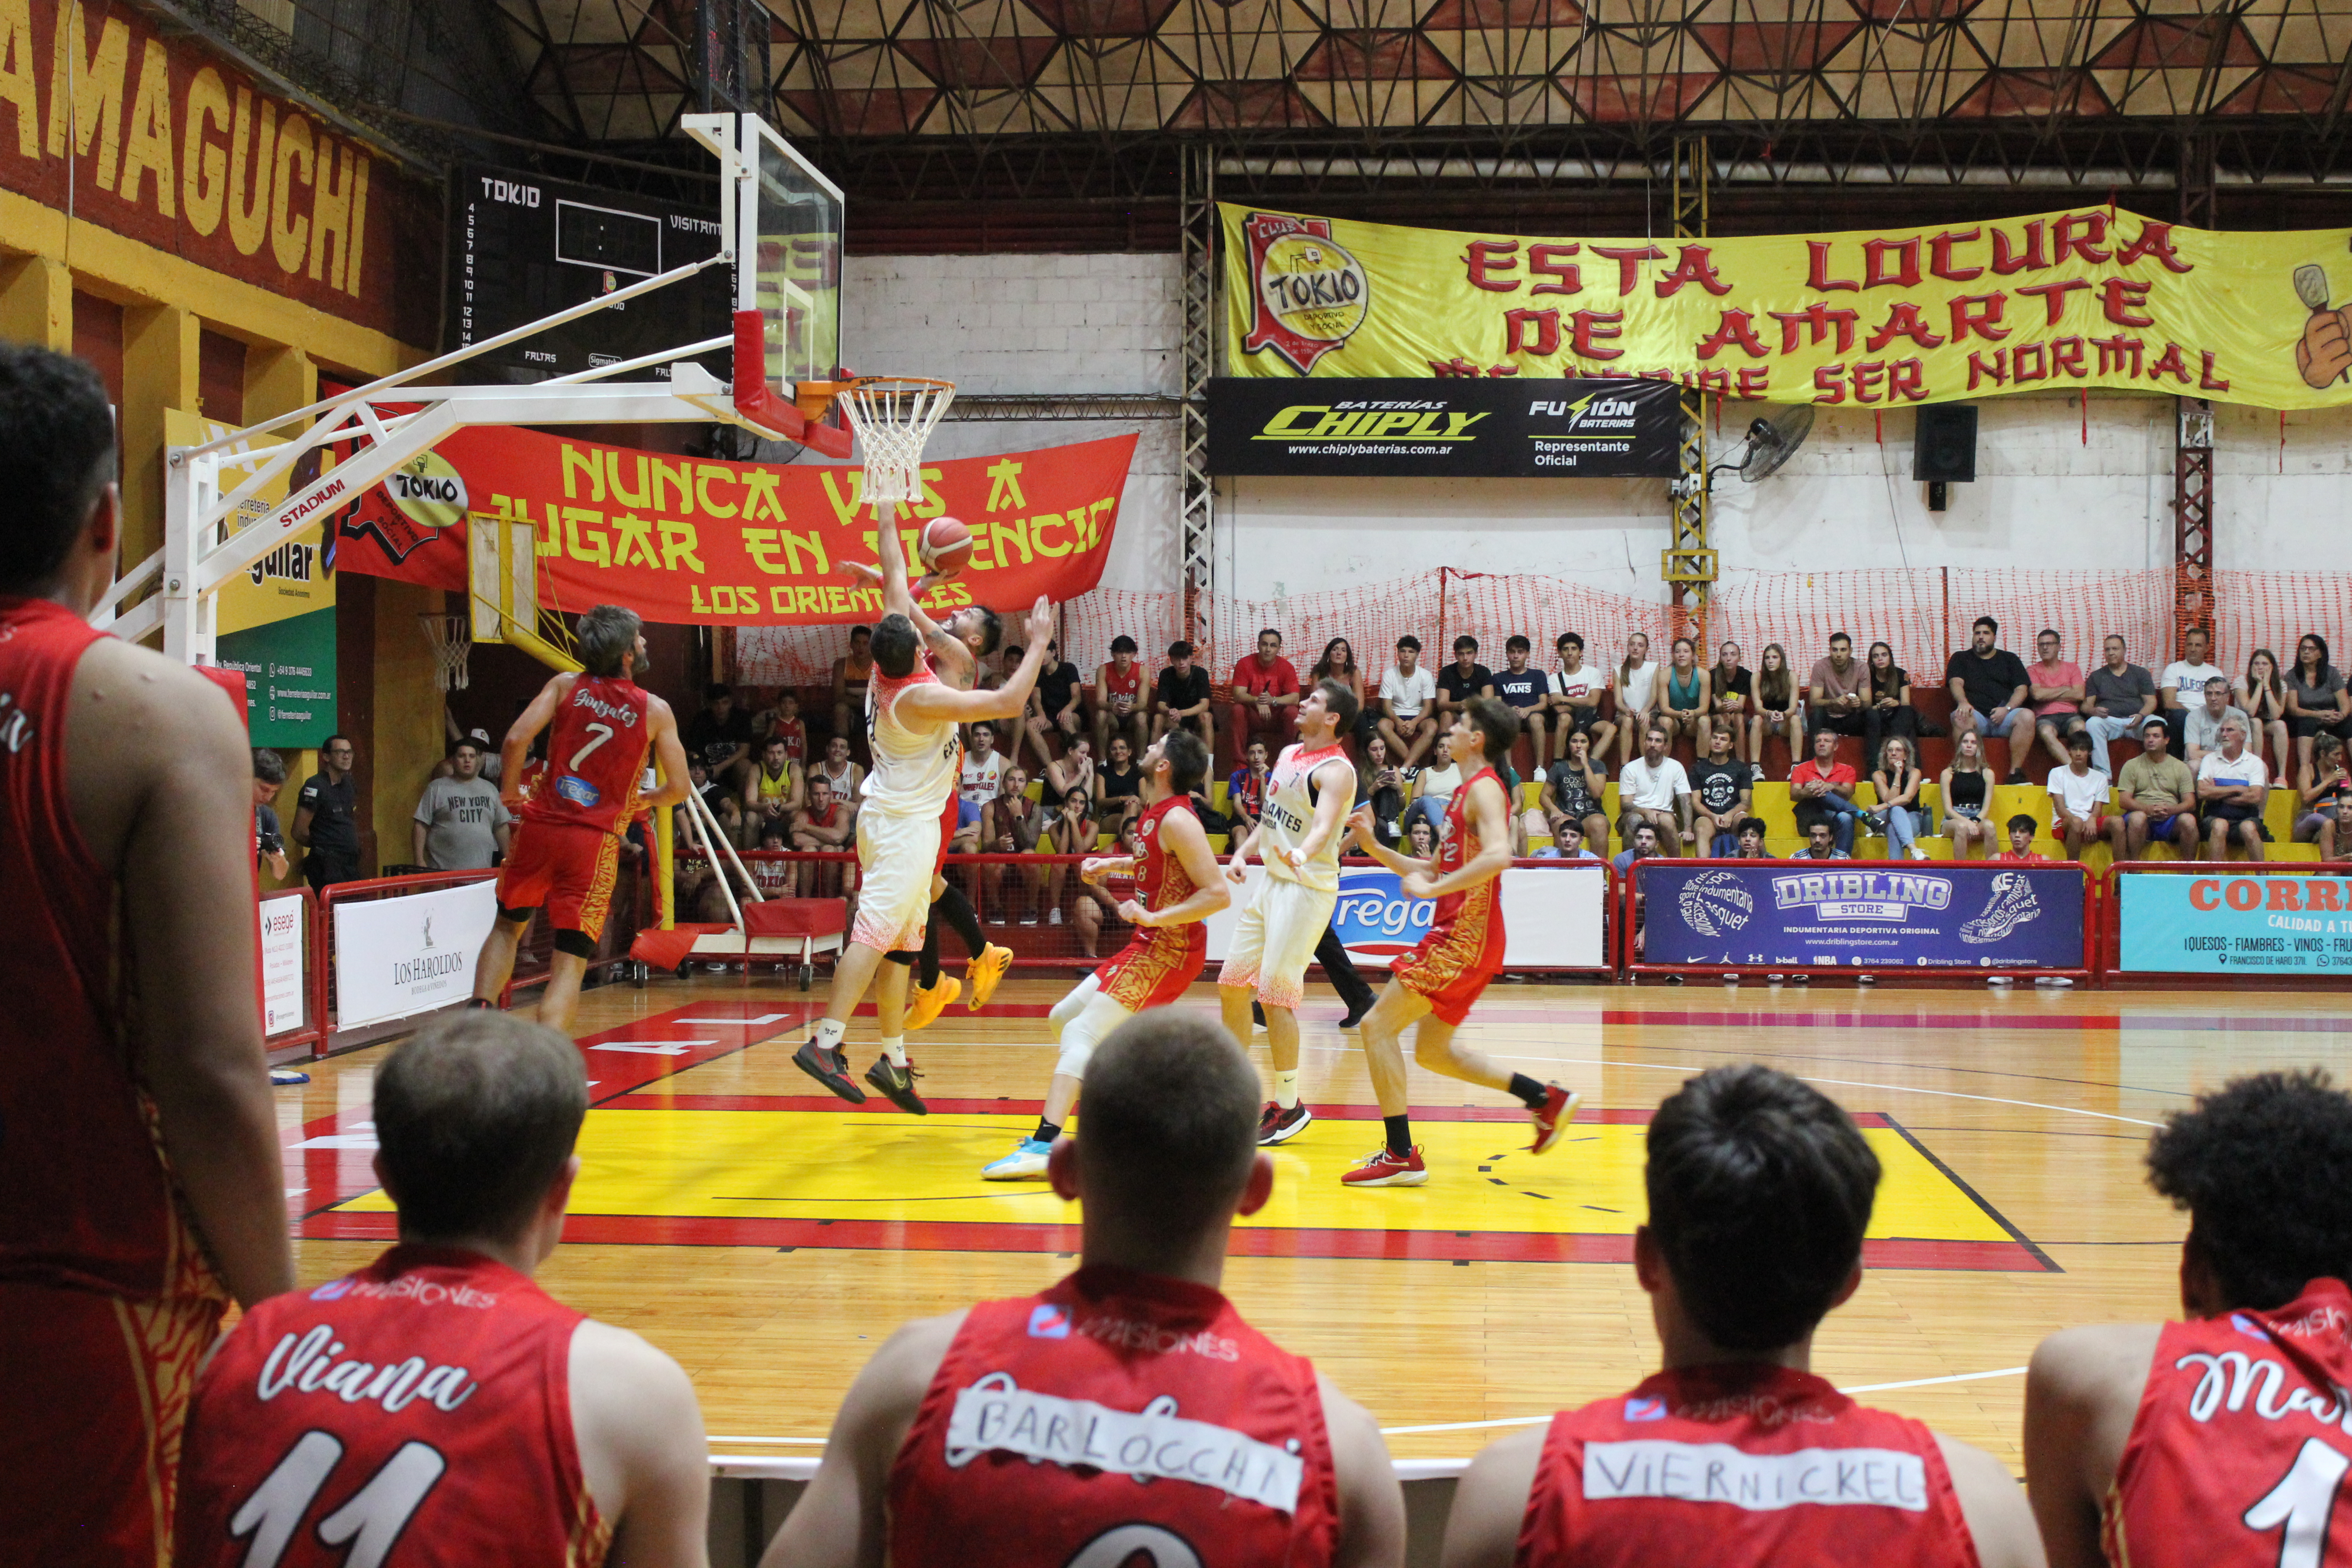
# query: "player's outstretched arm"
[1490,1502]
[1372,1504]
[938,702]
[1993,1504]
[2081,1391]
[898,598]
[642,1450]
[840,1520]
[514,752]
[669,755]
[1181,834]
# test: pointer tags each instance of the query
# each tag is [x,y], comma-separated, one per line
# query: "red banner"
[690,539]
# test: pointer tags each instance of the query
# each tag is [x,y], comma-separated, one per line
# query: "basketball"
[945,546]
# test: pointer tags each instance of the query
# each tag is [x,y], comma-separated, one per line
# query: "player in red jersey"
[1436,982]
[1127,1415]
[2222,1441]
[567,847]
[1178,886]
[1735,1455]
[436,1407]
[140,1178]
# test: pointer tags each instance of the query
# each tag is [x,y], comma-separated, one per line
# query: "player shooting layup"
[567,851]
[1178,888]
[910,723]
[1437,982]
[1305,802]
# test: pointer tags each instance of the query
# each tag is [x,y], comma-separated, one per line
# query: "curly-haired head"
[2263,1165]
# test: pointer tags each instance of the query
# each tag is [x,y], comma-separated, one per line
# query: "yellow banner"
[2091,297]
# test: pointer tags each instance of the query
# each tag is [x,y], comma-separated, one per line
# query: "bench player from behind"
[2220,1440]
[1297,837]
[1177,887]
[1436,983]
[438,1398]
[1735,1456]
[567,848]
[1128,1414]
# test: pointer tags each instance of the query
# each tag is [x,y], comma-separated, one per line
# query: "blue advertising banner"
[1923,915]
[2192,924]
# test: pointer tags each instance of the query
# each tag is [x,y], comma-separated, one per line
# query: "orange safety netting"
[804,655]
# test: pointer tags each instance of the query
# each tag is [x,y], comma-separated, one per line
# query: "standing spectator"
[2117,699]
[1119,705]
[1265,694]
[1179,698]
[1118,788]
[1573,791]
[2180,689]
[269,838]
[1655,790]
[720,734]
[1338,663]
[1751,842]
[2204,722]
[326,817]
[2054,685]
[1833,692]
[1731,687]
[1637,696]
[845,777]
[2232,786]
[1074,769]
[1684,701]
[2020,850]
[825,825]
[1054,711]
[1527,692]
[1432,791]
[1408,692]
[1889,712]
[1898,808]
[782,721]
[1780,705]
[460,824]
[2078,803]
[1822,788]
[1990,688]
[1381,784]
[2329,784]
[2157,795]
[774,792]
[1245,790]
[1641,845]
[1463,679]
[1576,691]
[2317,701]
[1723,787]
[1967,791]
[1820,844]
[852,673]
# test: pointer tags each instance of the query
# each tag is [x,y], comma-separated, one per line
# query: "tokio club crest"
[1307,292]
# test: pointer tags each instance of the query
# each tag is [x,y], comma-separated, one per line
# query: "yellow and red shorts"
[1153,969]
[566,871]
[1454,961]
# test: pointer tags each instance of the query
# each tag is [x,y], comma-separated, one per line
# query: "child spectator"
[1246,789]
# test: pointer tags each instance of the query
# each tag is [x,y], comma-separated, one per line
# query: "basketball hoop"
[892,416]
[451,643]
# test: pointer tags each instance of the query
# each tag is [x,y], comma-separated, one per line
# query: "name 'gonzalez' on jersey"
[595,755]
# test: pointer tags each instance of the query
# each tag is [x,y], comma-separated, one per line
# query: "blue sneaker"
[1027,1159]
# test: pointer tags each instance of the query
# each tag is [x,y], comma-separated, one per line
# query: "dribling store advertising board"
[1829,914]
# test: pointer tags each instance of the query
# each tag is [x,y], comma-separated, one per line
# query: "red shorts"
[566,871]
[1454,961]
[91,1415]
[1155,966]
[951,820]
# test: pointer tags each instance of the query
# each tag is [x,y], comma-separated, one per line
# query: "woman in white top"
[1637,696]
[1432,791]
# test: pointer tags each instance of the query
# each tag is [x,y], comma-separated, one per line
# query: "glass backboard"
[794,248]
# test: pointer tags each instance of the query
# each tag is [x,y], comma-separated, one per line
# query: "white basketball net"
[892,416]
[452,640]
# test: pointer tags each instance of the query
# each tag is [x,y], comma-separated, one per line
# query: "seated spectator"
[1723,787]
[1888,712]
[460,824]
[1637,696]
[2233,788]
[2180,689]
[1460,681]
[2078,803]
[712,794]
[1338,663]
[847,779]
[2141,1441]
[1245,788]
[1118,788]
[1066,829]
[1074,769]
[1823,790]
[827,824]
[1760,1190]
[782,722]
[1012,825]
[1966,791]
[1685,700]
[556,1430]
[720,734]
[1654,789]
[1573,792]
[2117,699]
[1568,844]
[1751,842]
[1163,1162]
[2318,799]
[1265,694]
[1093,906]
[2334,825]
[1420,838]
[1181,697]
[1989,693]
[1834,692]
[852,674]
[2054,686]
[987,677]
[2317,701]
[2263,695]
[1120,708]
[1820,844]
[1731,691]
[1380,783]
[1780,705]
[1528,692]
[777,878]
[1577,688]
[2157,795]
[1053,707]
[1408,697]
[2203,722]
[1432,791]
[269,837]
[1899,814]
[775,791]
[2022,829]
[1642,844]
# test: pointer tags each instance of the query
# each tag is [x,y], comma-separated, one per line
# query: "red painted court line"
[1991,1018]
[1607,1115]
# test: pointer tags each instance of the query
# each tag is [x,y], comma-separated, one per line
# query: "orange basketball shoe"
[985,971]
[928,1005]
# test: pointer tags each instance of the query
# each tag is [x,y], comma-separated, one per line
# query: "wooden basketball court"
[770,1237]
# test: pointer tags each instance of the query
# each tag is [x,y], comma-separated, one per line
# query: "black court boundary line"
[1999,1218]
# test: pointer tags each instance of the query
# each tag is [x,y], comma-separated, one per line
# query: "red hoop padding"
[755,399]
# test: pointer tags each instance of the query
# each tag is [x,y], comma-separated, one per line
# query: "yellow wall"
[408,738]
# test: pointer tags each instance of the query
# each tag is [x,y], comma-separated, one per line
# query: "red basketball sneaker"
[1276,1125]
[1559,1110]
[1384,1168]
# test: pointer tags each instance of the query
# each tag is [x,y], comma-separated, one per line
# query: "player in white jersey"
[1297,835]
[911,719]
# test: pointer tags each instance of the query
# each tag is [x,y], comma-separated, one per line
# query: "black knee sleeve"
[517,917]
[578,944]
[906,955]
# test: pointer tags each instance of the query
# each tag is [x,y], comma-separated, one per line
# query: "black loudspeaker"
[1944,447]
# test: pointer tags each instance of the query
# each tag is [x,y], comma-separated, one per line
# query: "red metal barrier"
[2110,956]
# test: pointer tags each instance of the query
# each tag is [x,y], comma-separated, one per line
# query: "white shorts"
[896,855]
[1275,940]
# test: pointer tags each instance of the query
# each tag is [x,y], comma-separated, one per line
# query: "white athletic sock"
[894,1047]
[829,1034]
[1285,1088]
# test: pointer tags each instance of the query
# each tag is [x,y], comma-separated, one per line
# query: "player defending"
[567,848]
[910,720]
[1437,982]
[1300,829]
[437,1397]
[1178,889]
[1735,1455]
[2142,1439]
